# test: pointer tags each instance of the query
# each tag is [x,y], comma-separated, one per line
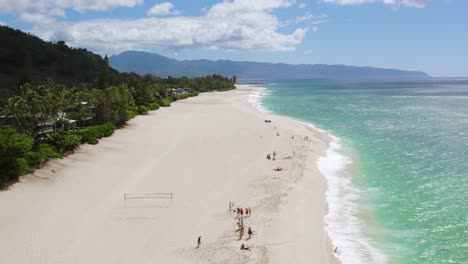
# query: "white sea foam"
[346,230]
[255,98]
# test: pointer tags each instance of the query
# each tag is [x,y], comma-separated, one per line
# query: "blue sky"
[427,35]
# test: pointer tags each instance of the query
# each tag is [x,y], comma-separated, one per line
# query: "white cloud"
[236,25]
[307,18]
[163,9]
[410,3]
[26,9]
[36,18]
[302,5]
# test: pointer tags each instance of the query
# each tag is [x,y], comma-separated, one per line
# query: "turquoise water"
[408,140]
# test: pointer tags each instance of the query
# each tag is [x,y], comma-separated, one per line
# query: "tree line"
[46,120]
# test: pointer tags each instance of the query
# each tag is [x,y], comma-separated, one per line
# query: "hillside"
[27,58]
[143,62]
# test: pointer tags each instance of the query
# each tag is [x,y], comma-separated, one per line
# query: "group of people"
[240,213]
[268,157]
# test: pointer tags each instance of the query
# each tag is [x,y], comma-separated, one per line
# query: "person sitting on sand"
[268,157]
[277,134]
[244,247]
[278,169]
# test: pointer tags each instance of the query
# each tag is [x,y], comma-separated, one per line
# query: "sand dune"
[206,151]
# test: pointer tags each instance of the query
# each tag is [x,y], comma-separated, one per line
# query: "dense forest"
[26,58]
[55,97]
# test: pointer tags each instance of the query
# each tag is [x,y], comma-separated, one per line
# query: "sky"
[425,35]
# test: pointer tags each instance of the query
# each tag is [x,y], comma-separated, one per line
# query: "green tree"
[113,105]
[13,147]
[103,78]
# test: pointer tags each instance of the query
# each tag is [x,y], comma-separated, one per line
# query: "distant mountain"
[143,62]
[27,58]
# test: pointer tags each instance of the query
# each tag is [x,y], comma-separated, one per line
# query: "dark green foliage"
[153,106]
[131,113]
[165,102]
[13,146]
[142,110]
[49,151]
[93,133]
[23,167]
[106,130]
[41,155]
[64,142]
[89,135]
[112,105]
[27,58]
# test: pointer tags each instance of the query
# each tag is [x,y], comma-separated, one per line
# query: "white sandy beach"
[206,151]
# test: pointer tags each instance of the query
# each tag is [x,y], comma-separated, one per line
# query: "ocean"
[397,168]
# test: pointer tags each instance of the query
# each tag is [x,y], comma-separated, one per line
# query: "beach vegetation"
[54,98]
[13,148]
[165,102]
[64,142]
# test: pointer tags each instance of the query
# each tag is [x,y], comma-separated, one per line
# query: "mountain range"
[143,62]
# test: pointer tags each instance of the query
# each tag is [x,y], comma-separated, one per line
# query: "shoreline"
[207,151]
[318,133]
[335,166]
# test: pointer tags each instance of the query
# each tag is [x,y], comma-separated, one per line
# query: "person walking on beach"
[241,232]
[198,242]
[250,233]
[241,221]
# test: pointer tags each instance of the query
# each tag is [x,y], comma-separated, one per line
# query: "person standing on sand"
[250,233]
[241,232]
[242,212]
[241,221]
[198,242]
